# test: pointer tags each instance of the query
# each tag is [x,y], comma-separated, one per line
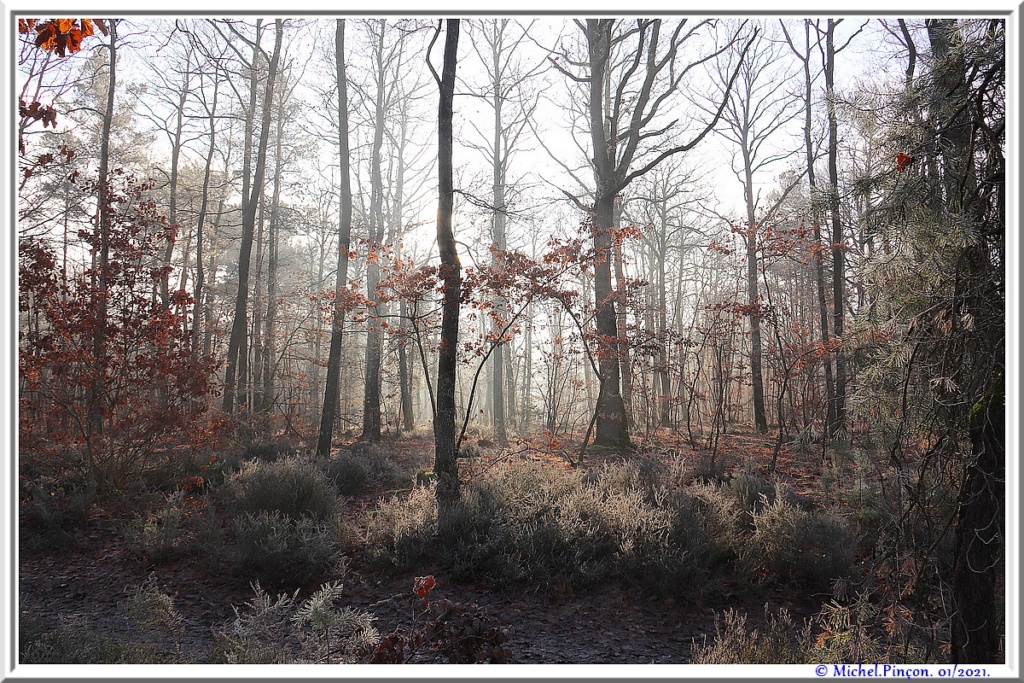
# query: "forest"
[552,340]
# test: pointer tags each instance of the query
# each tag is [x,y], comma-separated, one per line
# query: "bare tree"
[446,450]
[666,200]
[819,268]
[104,218]
[237,353]
[506,78]
[759,106]
[838,236]
[210,107]
[173,84]
[625,99]
[330,405]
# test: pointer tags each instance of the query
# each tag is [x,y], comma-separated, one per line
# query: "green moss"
[994,396]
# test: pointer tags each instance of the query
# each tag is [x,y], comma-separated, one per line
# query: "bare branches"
[430,48]
[685,147]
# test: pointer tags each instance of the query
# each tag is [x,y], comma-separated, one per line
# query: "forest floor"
[84,581]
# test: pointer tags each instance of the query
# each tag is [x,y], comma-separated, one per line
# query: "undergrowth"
[550,526]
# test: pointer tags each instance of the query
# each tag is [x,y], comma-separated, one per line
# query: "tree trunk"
[404,370]
[172,216]
[270,334]
[446,465]
[498,247]
[975,632]
[99,342]
[621,313]
[526,401]
[611,428]
[331,390]
[253,386]
[753,298]
[237,352]
[838,241]
[374,332]
[665,406]
[819,266]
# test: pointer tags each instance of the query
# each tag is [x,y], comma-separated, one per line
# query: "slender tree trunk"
[99,346]
[237,351]
[253,386]
[374,332]
[331,390]
[172,218]
[270,340]
[819,266]
[446,448]
[838,241]
[753,297]
[498,247]
[404,379]
[665,407]
[404,370]
[621,313]
[526,402]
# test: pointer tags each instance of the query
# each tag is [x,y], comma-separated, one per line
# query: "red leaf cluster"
[61,36]
[423,585]
[903,162]
[38,112]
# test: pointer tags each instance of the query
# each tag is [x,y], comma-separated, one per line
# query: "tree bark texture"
[446,448]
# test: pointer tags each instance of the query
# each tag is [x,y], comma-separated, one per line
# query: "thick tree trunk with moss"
[972,171]
[975,631]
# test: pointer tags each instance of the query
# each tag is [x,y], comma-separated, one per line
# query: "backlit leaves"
[61,36]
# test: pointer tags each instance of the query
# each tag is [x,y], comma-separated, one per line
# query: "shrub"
[149,614]
[349,475]
[329,633]
[161,536]
[280,630]
[809,547]
[54,506]
[278,550]
[547,525]
[402,528]
[258,635]
[74,641]
[269,450]
[155,618]
[294,487]
[837,634]
[113,438]
[751,493]
[772,644]
[723,517]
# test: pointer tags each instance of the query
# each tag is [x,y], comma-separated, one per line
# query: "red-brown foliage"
[153,383]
